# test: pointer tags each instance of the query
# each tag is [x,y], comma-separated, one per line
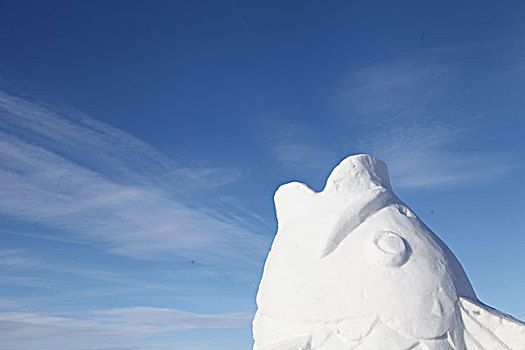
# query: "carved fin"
[490,329]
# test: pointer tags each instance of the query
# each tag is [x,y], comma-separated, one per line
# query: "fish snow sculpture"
[352,267]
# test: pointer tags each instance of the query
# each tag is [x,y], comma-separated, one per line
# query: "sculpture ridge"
[352,267]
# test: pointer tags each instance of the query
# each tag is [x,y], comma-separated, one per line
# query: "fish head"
[355,250]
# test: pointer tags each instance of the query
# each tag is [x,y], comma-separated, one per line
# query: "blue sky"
[141,143]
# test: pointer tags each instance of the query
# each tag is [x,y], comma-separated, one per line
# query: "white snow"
[352,267]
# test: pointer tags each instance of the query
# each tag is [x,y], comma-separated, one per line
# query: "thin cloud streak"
[405,108]
[407,111]
[134,321]
[403,89]
[421,158]
[98,184]
[295,145]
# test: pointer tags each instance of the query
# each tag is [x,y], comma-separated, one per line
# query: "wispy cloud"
[129,322]
[407,87]
[93,182]
[296,145]
[409,112]
[8,304]
[15,257]
[426,158]
[125,343]
[20,268]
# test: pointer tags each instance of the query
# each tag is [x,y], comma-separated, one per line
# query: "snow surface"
[352,267]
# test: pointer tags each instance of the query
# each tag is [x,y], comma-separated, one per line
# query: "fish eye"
[388,249]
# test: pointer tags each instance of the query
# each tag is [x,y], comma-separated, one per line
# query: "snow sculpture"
[352,267]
